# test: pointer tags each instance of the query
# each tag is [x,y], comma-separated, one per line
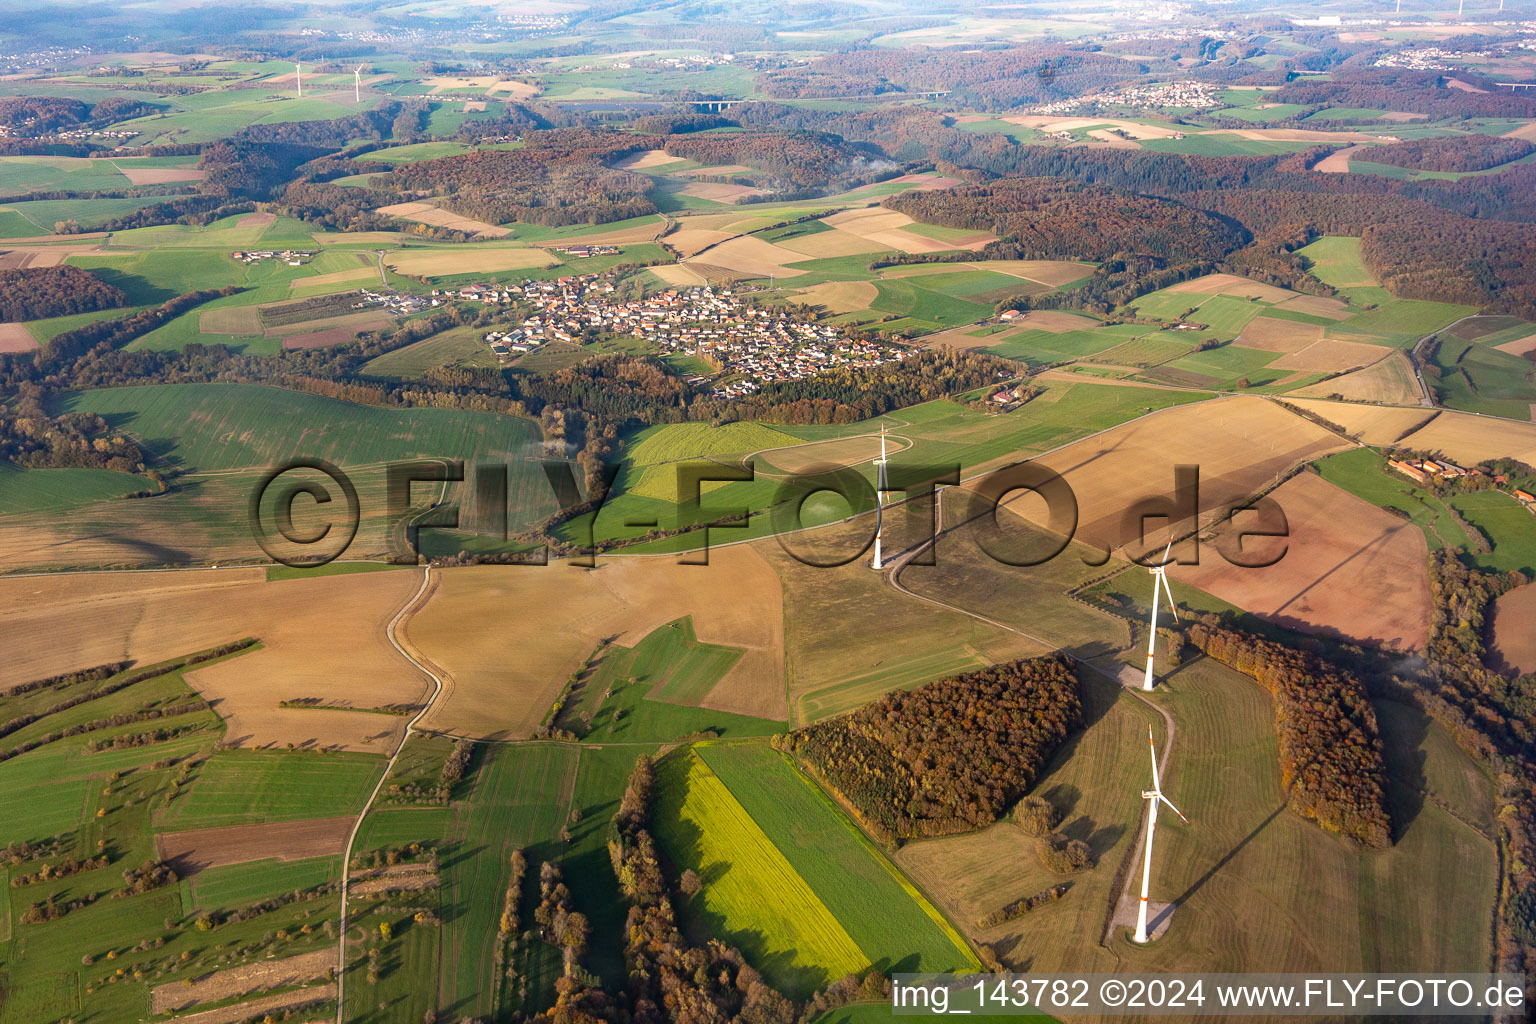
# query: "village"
[747,346]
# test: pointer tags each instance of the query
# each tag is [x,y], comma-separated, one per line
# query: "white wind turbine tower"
[880,486]
[357,84]
[298,77]
[1159,586]
[1154,795]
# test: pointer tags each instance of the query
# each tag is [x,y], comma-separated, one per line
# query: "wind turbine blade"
[1162,578]
[1152,745]
[1165,553]
[1172,808]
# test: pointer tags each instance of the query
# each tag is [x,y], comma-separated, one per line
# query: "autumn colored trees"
[1456,153]
[950,756]
[35,293]
[1330,752]
[1048,219]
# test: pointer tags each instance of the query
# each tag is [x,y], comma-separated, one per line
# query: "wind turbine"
[1159,585]
[357,83]
[1154,795]
[298,77]
[880,486]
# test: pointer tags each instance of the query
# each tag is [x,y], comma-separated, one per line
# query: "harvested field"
[719,192]
[966,339]
[1337,162]
[841,296]
[157,175]
[750,256]
[204,848]
[1467,438]
[1514,641]
[1049,123]
[426,213]
[643,159]
[1316,305]
[256,220]
[841,451]
[884,228]
[363,320]
[1389,381]
[1053,322]
[16,259]
[16,338]
[1232,284]
[1520,346]
[1379,425]
[466,260]
[502,682]
[237,981]
[1049,272]
[690,242]
[1270,335]
[230,320]
[1526,131]
[1240,444]
[644,232]
[823,244]
[677,275]
[1339,548]
[323,339]
[1327,356]
[474,106]
[321,636]
[257,1008]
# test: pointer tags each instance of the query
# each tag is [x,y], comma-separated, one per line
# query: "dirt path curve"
[893,577]
[437,689]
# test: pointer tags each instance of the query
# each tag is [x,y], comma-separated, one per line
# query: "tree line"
[947,757]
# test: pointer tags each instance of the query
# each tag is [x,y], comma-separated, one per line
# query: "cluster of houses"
[1194,95]
[1429,58]
[1422,471]
[748,346]
[398,303]
[292,257]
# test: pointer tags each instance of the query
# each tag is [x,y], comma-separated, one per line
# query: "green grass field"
[458,346]
[1364,474]
[240,885]
[654,690]
[222,437]
[110,802]
[241,787]
[55,490]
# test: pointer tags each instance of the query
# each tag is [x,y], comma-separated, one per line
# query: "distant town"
[747,346]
